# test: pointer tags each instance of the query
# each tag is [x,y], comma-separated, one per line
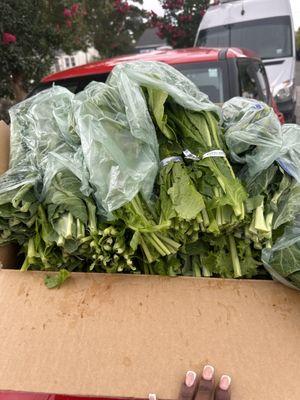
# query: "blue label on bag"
[258,106]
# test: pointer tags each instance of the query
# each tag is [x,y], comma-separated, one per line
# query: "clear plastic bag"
[289,158]
[252,133]
[159,75]
[255,137]
[39,125]
[283,259]
[118,142]
[117,133]
[72,161]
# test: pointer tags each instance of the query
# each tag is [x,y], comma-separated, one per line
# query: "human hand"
[204,387]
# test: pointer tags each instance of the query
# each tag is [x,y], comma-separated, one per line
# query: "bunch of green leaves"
[212,177]
[69,233]
[180,204]
[18,206]
[151,237]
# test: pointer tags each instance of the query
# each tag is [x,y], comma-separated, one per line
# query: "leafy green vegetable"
[56,280]
[85,191]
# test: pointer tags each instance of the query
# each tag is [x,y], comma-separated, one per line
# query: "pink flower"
[8,38]
[67,13]
[68,23]
[74,8]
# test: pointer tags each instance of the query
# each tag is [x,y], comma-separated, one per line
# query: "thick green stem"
[92,217]
[234,257]
[69,234]
[146,251]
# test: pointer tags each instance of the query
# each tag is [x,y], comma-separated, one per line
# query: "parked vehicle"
[264,26]
[220,73]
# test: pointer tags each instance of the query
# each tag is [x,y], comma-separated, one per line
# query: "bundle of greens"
[39,125]
[219,194]
[180,204]
[134,176]
[153,238]
[69,234]
[18,205]
[270,172]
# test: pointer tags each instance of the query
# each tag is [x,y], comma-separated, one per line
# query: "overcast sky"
[155,6]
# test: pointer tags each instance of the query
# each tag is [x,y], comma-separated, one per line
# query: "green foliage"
[56,280]
[180,21]
[116,25]
[34,31]
[37,29]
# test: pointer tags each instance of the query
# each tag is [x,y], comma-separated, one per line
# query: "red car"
[221,73]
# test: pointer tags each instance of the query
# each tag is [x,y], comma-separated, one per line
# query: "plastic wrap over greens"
[289,158]
[160,76]
[252,133]
[39,125]
[118,141]
[283,259]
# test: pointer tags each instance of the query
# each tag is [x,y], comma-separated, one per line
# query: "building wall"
[65,61]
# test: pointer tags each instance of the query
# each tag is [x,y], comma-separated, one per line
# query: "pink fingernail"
[225,382]
[152,396]
[208,372]
[190,378]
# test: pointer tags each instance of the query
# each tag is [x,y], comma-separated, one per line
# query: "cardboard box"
[8,254]
[4,146]
[127,336]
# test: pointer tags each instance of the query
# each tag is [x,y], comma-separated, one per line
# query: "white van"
[265,26]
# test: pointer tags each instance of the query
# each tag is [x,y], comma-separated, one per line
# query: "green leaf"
[56,280]
[187,201]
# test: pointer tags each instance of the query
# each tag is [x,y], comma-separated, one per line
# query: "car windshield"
[208,77]
[268,37]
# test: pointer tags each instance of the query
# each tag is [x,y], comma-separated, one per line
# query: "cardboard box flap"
[8,253]
[4,146]
[127,336]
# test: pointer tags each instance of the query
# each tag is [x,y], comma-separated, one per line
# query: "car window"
[208,77]
[263,81]
[253,80]
[248,83]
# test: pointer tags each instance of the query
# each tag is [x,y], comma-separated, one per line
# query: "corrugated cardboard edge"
[128,336]
[8,253]
[4,146]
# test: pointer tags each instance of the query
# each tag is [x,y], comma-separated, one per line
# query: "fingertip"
[190,378]
[225,382]
[208,372]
